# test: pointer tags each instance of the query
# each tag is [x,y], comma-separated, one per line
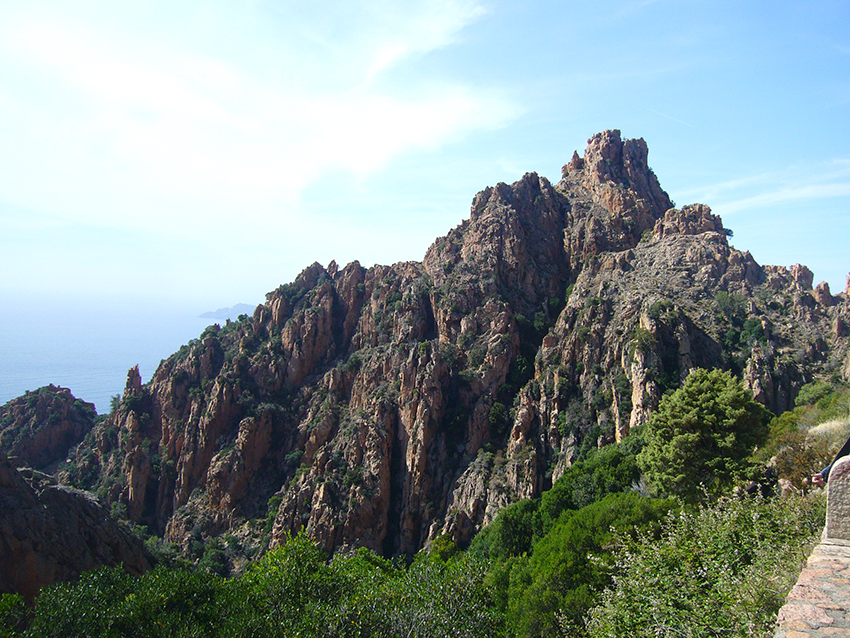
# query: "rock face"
[41,426]
[383,407]
[51,533]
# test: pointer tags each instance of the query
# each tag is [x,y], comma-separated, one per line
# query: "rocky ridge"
[387,406]
[53,533]
[40,427]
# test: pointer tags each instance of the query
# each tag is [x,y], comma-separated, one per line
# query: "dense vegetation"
[291,591]
[722,570]
[701,436]
[593,556]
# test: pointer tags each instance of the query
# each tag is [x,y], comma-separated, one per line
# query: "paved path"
[817,606]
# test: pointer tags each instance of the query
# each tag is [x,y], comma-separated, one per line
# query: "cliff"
[40,427]
[386,406]
[53,533]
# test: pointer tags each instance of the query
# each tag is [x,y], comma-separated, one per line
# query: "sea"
[89,345]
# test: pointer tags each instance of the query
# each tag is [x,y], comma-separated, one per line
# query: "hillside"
[385,407]
[40,427]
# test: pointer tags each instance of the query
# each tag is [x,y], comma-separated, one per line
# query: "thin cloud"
[419,29]
[184,139]
[670,117]
[826,180]
[784,195]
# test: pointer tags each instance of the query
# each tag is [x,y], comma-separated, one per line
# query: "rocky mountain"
[228,313]
[51,533]
[386,406]
[40,427]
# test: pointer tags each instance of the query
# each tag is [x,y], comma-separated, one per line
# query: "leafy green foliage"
[214,559]
[433,598]
[290,587]
[813,392]
[701,435]
[624,396]
[499,420]
[164,602]
[643,340]
[293,590]
[550,555]
[609,470]
[805,440]
[520,525]
[572,562]
[13,615]
[511,534]
[731,306]
[742,332]
[661,310]
[352,363]
[723,570]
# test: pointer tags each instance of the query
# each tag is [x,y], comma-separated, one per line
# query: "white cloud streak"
[131,131]
[807,192]
[826,180]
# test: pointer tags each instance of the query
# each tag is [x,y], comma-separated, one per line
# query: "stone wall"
[817,605]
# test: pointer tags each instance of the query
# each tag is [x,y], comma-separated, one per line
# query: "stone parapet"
[817,605]
[838,501]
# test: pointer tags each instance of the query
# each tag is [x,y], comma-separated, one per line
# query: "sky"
[204,152]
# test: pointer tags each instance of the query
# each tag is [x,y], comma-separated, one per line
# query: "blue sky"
[205,152]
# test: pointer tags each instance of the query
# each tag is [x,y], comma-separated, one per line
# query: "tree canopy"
[701,435]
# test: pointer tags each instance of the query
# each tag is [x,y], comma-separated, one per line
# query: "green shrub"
[572,563]
[510,534]
[476,355]
[499,420]
[83,609]
[813,392]
[13,615]
[701,436]
[643,341]
[731,306]
[723,570]
[352,363]
[606,471]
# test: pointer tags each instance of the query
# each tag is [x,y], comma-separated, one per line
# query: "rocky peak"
[611,165]
[575,164]
[603,159]
[133,387]
[822,294]
[690,220]
[802,275]
[387,406]
[41,426]
[512,245]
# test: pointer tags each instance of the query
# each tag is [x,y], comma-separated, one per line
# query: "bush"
[813,392]
[731,306]
[292,591]
[435,599]
[701,435]
[643,340]
[606,471]
[499,420]
[13,615]
[511,534]
[723,570]
[572,562]
[82,609]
